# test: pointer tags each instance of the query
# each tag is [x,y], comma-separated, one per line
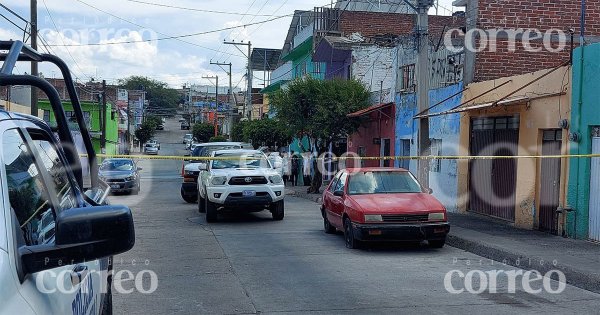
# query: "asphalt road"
[249,264]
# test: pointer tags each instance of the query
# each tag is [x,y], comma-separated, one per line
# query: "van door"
[40,185]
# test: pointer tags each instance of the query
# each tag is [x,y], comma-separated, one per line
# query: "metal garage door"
[594,230]
[492,183]
[550,181]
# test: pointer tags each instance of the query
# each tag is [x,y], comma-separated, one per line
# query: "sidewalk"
[498,240]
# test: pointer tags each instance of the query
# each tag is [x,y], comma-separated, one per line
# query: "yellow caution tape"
[385,158]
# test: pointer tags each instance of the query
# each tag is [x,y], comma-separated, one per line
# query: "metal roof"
[265,59]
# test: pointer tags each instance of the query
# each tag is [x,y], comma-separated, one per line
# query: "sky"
[89,36]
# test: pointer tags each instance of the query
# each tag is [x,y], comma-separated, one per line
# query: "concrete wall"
[584,118]
[18,108]
[375,125]
[444,179]
[539,114]
[372,65]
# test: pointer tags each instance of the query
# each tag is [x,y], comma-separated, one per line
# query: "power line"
[62,40]
[231,32]
[195,9]
[141,26]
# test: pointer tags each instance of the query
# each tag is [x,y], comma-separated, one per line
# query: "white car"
[151,149]
[240,180]
[47,266]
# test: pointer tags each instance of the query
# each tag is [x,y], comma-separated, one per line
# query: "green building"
[584,173]
[92,115]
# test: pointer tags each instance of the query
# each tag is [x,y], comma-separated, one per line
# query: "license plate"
[115,186]
[249,193]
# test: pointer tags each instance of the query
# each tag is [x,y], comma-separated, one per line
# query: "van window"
[60,183]
[26,192]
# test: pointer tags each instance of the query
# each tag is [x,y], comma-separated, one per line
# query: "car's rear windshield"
[382,182]
[241,160]
[116,165]
[208,150]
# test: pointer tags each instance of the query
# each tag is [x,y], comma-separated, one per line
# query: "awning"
[369,110]
[476,106]
[273,87]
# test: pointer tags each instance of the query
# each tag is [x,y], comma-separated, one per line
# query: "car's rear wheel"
[201,204]
[211,211]
[437,243]
[351,241]
[329,229]
[136,189]
[278,210]
[188,198]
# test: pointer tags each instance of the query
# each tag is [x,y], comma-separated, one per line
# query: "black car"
[185,125]
[122,175]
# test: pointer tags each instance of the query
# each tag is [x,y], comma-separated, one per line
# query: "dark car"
[383,204]
[185,125]
[122,175]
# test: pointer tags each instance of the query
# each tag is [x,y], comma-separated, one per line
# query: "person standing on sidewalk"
[295,168]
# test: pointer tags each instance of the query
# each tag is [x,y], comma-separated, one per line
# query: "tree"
[145,132]
[160,97]
[153,120]
[203,132]
[318,109]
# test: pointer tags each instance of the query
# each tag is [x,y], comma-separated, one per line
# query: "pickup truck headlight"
[373,218]
[218,180]
[439,216]
[276,179]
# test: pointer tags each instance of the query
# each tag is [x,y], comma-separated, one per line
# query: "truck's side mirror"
[82,234]
[202,166]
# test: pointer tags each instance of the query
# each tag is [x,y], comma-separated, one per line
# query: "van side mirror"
[82,234]
[430,191]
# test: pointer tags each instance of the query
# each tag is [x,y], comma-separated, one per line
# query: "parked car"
[185,125]
[122,175]
[188,137]
[244,181]
[382,204]
[191,171]
[160,126]
[151,149]
[153,141]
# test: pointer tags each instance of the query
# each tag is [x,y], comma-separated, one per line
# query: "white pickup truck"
[242,180]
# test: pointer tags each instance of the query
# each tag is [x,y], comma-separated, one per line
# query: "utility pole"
[248,105]
[34,64]
[103,117]
[216,122]
[424,142]
[232,106]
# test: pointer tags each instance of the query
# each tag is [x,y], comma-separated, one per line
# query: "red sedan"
[382,204]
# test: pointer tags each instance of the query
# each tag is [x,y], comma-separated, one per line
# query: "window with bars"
[407,78]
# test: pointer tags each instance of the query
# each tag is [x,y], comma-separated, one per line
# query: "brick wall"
[370,24]
[538,14]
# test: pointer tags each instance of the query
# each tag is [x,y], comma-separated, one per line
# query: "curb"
[586,281]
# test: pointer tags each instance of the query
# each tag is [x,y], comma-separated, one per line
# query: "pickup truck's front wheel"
[277,210]
[201,204]
[211,211]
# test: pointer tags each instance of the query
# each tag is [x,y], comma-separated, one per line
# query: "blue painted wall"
[445,127]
